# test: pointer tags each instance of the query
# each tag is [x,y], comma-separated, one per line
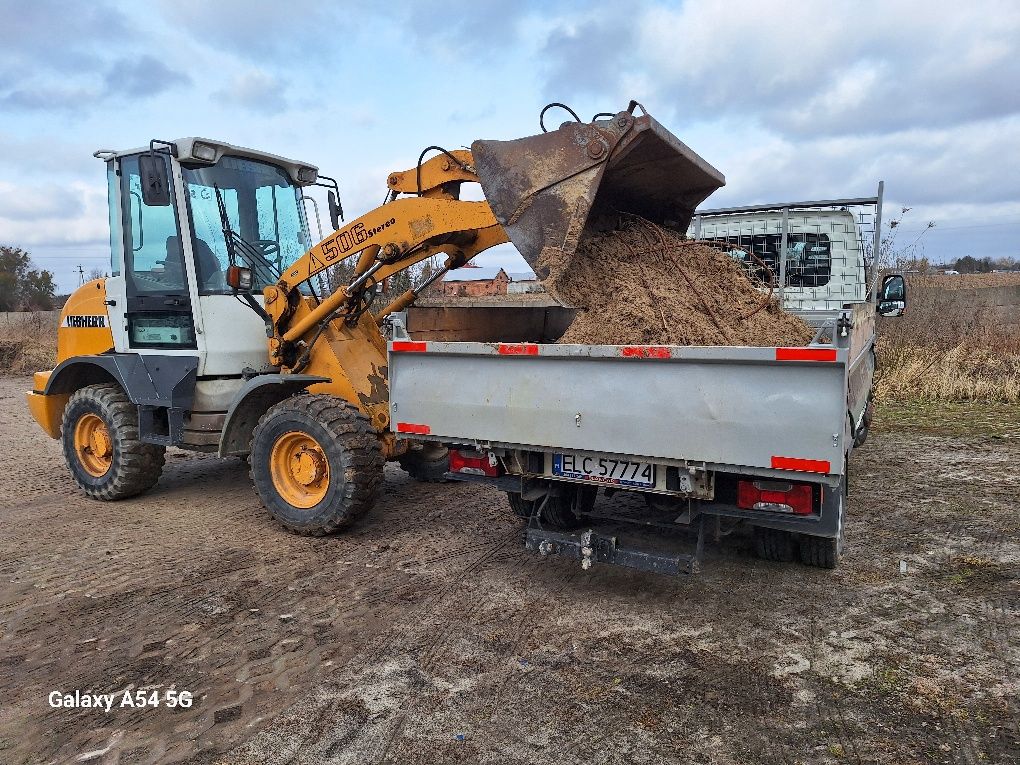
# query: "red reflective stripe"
[410,346]
[519,349]
[410,427]
[805,354]
[645,351]
[796,463]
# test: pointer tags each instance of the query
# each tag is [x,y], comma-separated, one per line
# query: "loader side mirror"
[892,299]
[336,212]
[155,183]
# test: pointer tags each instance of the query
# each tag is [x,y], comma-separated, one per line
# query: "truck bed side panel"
[734,406]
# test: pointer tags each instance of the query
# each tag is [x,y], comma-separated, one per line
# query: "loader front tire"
[99,435]
[315,463]
[430,464]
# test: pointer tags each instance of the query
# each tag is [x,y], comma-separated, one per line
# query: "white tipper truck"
[711,437]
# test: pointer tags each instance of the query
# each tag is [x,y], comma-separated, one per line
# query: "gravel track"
[426,634]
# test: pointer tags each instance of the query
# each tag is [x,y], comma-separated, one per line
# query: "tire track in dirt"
[384,642]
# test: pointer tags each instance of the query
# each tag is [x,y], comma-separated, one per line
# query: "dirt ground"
[426,634]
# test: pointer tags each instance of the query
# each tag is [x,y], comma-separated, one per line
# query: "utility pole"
[81,275]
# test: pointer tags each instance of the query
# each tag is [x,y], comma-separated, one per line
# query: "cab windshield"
[263,210]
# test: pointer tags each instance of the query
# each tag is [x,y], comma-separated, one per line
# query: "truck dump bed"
[701,405]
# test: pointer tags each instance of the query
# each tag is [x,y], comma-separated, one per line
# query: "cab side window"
[153,256]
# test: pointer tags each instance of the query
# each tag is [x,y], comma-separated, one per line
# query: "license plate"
[608,470]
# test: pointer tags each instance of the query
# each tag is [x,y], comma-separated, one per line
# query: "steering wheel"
[271,251]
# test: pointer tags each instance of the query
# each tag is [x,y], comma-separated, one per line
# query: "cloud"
[32,214]
[933,166]
[71,57]
[584,57]
[802,67]
[256,90]
[142,77]
[50,98]
[256,31]
[51,154]
[33,203]
[791,99]
[56,36]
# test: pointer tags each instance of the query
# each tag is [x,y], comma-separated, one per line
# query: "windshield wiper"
[252,256]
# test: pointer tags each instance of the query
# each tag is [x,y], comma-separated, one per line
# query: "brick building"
[475,281]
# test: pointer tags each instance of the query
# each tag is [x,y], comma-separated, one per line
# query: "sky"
[790,100]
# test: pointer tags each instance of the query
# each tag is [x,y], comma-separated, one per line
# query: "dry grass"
[977,281]
[28,342]
[943,350]
[947,349]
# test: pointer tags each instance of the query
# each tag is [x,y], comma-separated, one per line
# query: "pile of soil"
[644,285]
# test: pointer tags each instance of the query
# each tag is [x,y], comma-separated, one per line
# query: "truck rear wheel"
[774,544]
[99,435]
[521,507]
[861,436]
[820,552]
[315,463]
[564,511]
[430,464]
[826,552]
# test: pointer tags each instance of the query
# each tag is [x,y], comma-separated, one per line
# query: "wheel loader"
[213,333]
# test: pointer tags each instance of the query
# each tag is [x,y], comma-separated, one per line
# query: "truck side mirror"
[336,212]
[892,299]
[154,180]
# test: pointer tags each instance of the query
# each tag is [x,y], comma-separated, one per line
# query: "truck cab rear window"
[808,257]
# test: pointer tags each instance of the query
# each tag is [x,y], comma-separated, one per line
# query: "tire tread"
[137,465]
[362,457]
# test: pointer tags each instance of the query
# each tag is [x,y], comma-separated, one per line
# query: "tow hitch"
[589,546]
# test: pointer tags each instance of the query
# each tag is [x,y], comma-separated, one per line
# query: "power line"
[955,228]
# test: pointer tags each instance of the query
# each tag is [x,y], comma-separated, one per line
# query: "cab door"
[158,298]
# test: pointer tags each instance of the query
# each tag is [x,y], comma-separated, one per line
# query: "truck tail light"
[474,463]
[776,496]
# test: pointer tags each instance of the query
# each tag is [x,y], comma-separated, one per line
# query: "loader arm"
[389,239]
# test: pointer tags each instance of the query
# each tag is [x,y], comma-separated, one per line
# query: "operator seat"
[210,274]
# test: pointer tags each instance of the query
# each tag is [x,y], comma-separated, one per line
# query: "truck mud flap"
[591,547]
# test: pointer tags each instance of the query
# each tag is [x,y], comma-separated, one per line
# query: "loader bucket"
[547,189]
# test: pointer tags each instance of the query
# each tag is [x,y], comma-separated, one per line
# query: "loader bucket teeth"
[545,190]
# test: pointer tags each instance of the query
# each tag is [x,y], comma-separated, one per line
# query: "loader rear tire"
[99,435]
[430,464]
[316,463]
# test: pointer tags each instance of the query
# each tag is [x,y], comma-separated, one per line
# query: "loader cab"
[181,213]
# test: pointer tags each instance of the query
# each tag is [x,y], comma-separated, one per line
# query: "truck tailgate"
[766,408]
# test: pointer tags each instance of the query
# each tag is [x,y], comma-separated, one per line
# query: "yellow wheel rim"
[300,469]
[93,445]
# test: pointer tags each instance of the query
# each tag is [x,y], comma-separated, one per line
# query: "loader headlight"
[307,174]
[239,278]
[203,151]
